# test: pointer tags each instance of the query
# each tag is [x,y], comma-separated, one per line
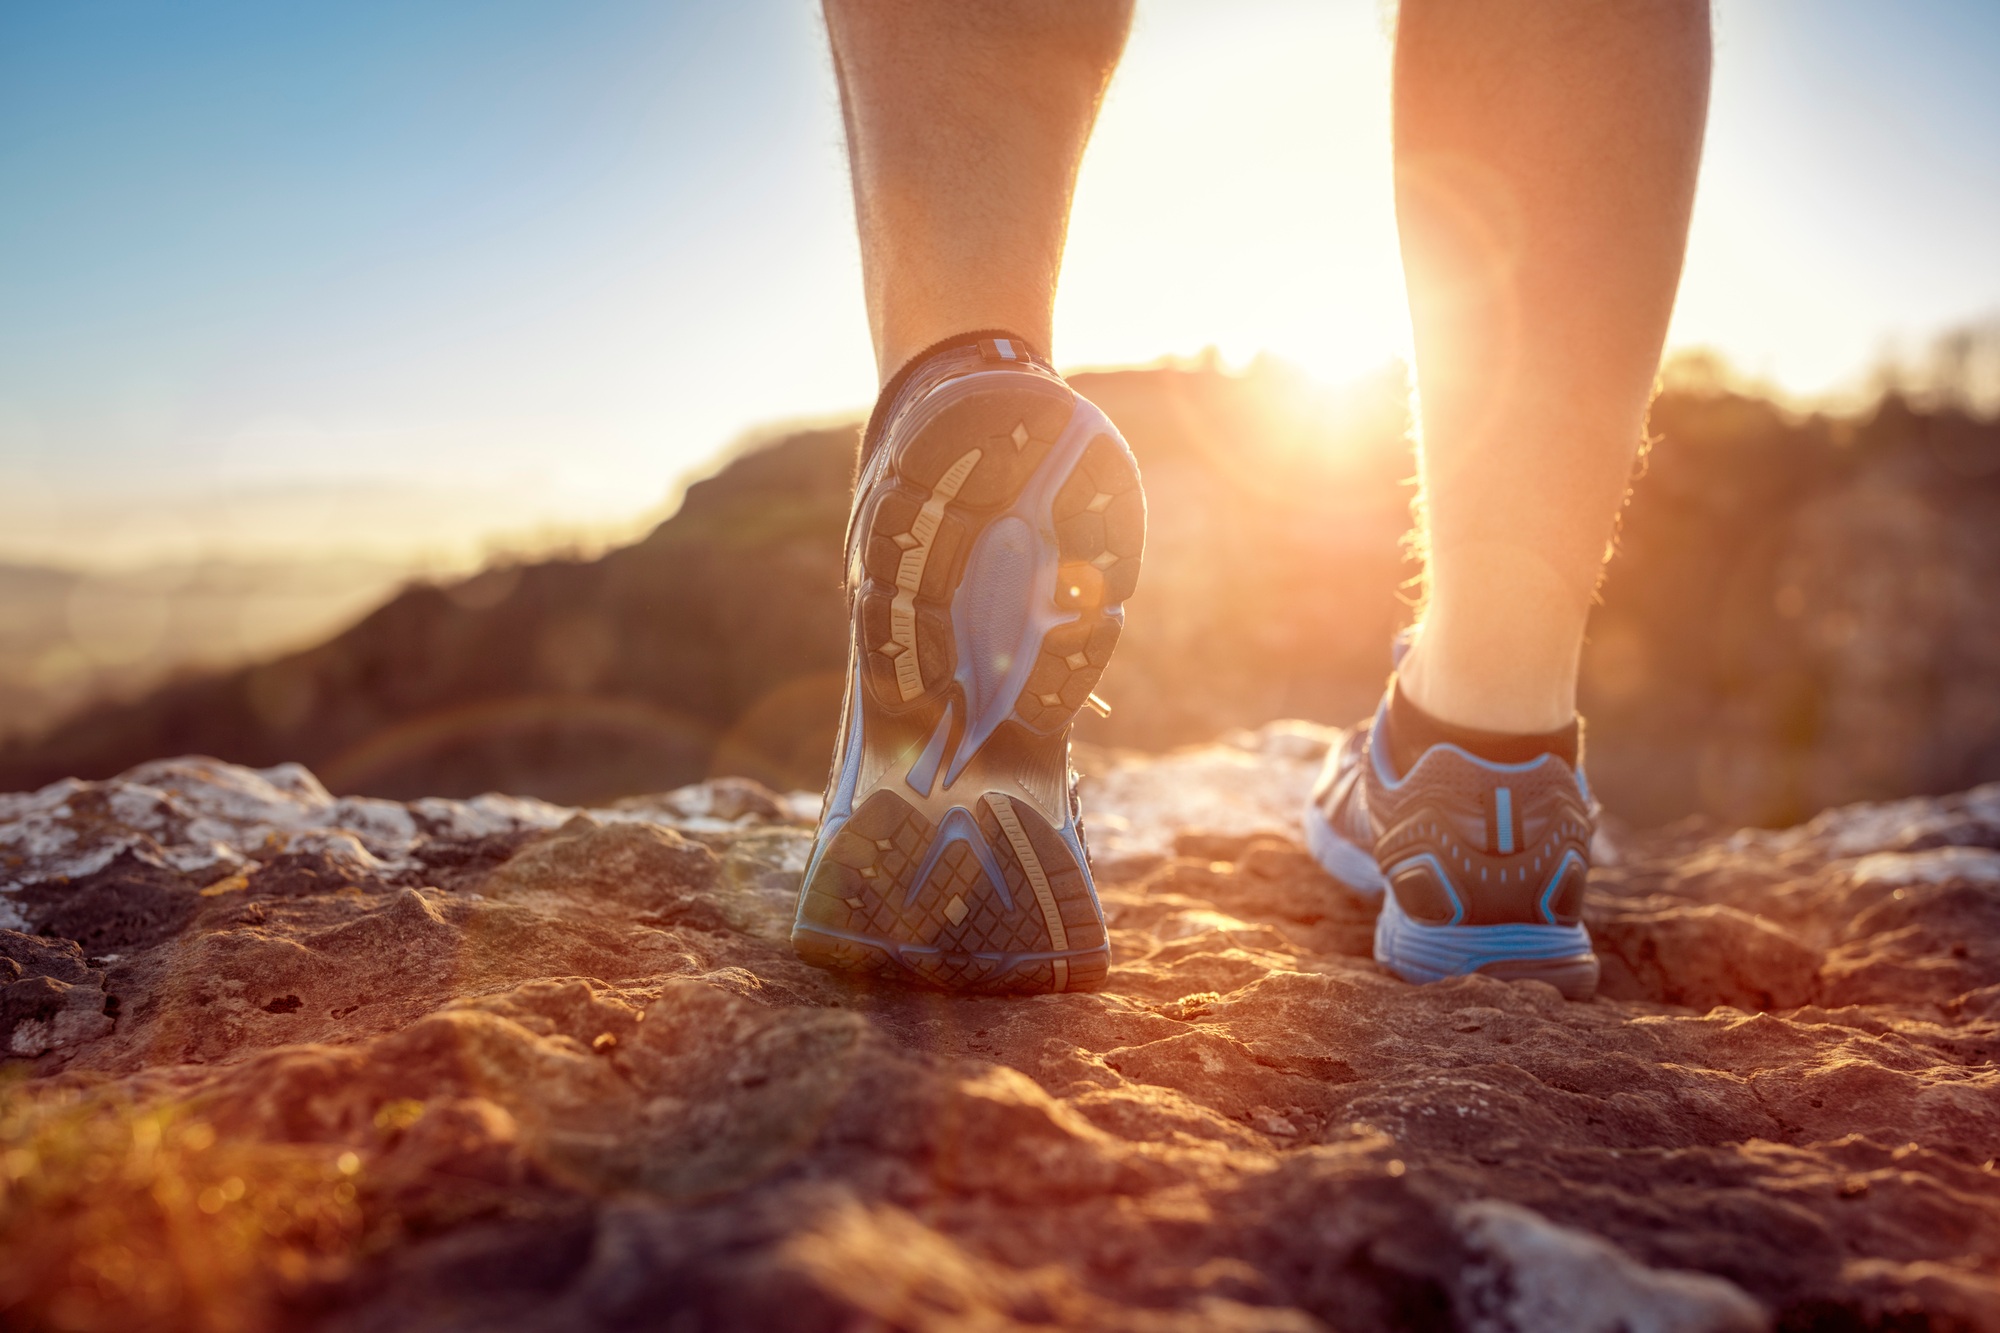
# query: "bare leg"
[965,126]
[1545,168]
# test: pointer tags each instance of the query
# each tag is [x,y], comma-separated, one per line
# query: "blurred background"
[392,388]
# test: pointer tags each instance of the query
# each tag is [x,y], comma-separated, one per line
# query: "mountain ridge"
[1795,618]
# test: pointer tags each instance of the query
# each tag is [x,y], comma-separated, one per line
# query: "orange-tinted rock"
[525,1067]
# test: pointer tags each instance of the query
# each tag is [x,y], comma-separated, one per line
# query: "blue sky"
[401,276]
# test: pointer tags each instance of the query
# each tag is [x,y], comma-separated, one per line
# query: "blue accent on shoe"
[1555,880]
[1444,880]
[839,806]
[1010,584]
[1418,952]
[923,774]
[943,740]
[1463,840]
[1340,858]
[959,826]
[1379,755]
[1003,961]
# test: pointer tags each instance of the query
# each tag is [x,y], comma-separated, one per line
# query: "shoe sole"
[1524,951]
[1001,535]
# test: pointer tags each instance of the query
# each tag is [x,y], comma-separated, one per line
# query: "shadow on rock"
[502,1065]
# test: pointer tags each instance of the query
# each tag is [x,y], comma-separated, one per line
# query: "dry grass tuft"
[129,1217]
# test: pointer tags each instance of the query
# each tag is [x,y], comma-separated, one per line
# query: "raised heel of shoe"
[996,556]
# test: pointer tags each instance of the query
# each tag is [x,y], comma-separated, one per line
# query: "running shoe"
[1480,866]
[996,533]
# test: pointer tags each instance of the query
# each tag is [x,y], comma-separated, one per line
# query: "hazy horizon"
[406,282]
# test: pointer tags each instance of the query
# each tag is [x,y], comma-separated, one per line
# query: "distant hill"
[1802,614]
[70,636]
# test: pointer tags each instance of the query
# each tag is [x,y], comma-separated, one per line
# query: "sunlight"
[1237,195]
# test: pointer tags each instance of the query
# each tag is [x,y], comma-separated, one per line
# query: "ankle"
[1528,691]
[1412,731]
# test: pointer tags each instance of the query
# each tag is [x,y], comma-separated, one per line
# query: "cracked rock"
[287,1061]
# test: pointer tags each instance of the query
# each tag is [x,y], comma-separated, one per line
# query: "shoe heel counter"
[1473,843]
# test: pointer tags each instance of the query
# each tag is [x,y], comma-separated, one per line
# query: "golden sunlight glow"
[1237,195]
[553,385]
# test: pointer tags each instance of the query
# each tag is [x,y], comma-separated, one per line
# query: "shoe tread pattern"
[1100,517]
[945,480]
[935,930]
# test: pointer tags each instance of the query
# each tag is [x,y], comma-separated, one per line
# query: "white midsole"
[1419,952]
[1342,859]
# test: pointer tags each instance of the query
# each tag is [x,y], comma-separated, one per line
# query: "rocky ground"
[281,1060]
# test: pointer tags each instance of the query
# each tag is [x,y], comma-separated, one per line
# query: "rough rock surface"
[291,1061]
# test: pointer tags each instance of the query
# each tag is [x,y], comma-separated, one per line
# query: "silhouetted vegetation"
[1799,616]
